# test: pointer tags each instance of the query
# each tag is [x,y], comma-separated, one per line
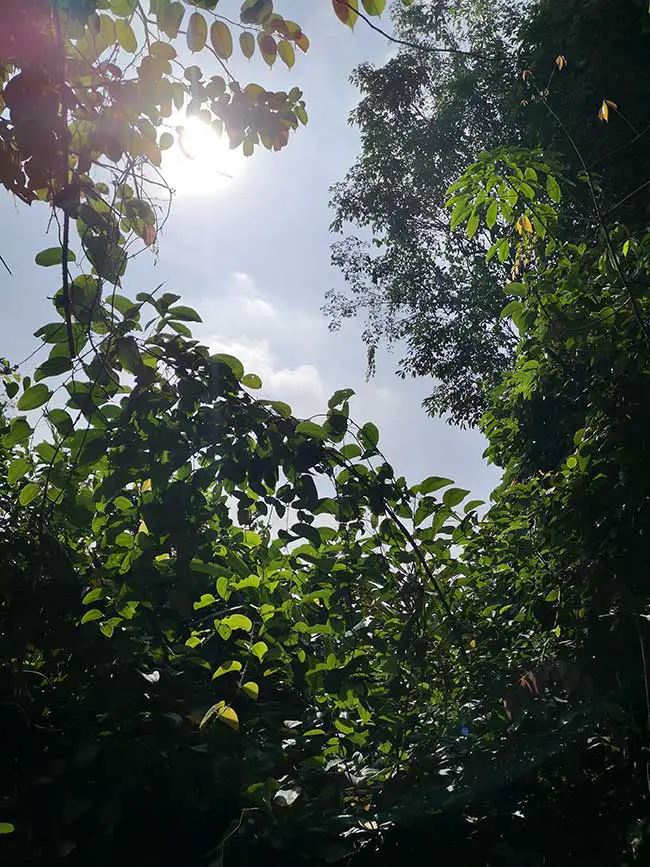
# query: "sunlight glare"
[207,166]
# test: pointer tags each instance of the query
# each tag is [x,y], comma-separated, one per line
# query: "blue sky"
[253,259]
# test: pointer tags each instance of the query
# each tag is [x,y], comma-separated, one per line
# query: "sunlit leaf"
[221,39]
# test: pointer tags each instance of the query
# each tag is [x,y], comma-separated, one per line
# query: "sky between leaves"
[253,258]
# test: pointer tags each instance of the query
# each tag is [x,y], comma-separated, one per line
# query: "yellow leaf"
[197,32]
[302,42]
[146,485]
[560,61]
[603,111]
[221,39]
[229,717]
[287,53]
[251,689]
[346,11]
[523,224]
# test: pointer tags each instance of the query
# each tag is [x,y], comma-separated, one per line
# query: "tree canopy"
[474,76]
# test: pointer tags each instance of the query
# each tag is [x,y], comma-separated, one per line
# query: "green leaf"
[238,621]
[61,421]
[339,397]
[454,496]
[512,309]
[53,256]
[259,649]
[34,397]
[123,8]
[205,600]
[230,667]
[472,225]
[434,483]
[17,469]
[54,366]
[93,614]
[492,214]
[125,36]
[184,314]
[29,493]
[311,429]
[19,431]
[374,7]
[92,596]
[553,189]
[233,363]
[369,436]
[7,828]
[251,380]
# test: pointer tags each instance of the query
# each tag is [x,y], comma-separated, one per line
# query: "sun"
[202,163]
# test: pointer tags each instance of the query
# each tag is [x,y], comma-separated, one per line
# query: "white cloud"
[301,387]
[244,323]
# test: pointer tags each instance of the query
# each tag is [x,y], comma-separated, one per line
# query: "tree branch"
[418,46]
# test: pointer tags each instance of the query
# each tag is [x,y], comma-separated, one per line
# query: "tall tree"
[431,110]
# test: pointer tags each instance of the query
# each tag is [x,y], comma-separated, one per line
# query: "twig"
[418,46]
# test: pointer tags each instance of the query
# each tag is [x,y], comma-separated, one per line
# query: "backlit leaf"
[221,39]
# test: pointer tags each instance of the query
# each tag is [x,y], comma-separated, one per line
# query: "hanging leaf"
[347,11]
[268,48]
[287,53]
[374,7]
[29,493]
[247,44]
[221,39]
[492,213]
[53,256]
[170,18]
[34,397]
[256,11]
[125,36]
[197,32]
[553,189]
[369,436]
